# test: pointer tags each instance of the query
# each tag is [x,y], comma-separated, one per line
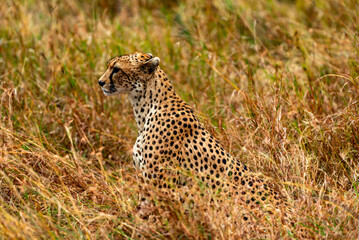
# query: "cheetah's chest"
[137,153]
[138,159]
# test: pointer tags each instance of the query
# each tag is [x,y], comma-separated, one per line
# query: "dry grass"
[275,81]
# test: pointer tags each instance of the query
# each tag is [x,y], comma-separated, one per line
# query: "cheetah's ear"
[151,64]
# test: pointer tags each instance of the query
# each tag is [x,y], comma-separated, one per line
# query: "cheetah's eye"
[116,70]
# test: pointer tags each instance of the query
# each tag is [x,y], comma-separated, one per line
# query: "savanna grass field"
[276,82]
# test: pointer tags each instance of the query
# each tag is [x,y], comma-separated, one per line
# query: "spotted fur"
[171,140]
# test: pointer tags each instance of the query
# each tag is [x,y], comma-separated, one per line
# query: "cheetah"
[171,139]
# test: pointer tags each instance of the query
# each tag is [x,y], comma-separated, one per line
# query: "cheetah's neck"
[148,97]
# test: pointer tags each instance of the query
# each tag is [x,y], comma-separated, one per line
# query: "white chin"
[110,93]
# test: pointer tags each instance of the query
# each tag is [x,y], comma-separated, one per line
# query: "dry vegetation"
[275,81]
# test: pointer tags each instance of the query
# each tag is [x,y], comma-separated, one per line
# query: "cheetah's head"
[128,72]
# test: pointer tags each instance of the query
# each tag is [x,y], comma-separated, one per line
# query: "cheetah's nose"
[101,83]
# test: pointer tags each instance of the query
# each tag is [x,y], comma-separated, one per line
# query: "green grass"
[277,83]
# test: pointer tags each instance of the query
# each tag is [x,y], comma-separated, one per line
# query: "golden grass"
[275,81]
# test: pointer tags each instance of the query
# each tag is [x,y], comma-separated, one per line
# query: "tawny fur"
[171,140]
